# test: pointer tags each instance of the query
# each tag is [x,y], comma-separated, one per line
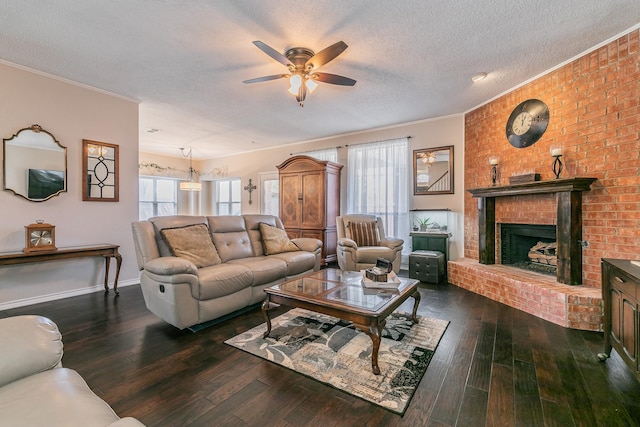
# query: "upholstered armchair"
[361,241]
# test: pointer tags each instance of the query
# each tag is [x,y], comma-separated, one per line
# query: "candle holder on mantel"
[557,163]
[493,161]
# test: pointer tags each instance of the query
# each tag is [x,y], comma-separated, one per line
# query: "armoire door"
[312,204]
[291,200]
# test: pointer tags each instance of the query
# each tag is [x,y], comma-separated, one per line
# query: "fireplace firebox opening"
[529,246]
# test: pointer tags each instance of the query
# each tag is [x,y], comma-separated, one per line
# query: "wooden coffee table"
[340,294]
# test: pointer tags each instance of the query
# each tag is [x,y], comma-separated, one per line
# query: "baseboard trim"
[62,295]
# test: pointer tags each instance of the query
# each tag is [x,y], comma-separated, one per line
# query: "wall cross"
[249,187]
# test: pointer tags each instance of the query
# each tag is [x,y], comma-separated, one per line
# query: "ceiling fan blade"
[273,53]
[266,78]
[325,55]
[333,79]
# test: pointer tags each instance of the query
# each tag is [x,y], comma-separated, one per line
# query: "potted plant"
[423,223]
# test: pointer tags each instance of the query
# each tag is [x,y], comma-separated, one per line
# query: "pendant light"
[190,184]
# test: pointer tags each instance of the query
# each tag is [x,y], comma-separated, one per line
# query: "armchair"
[361,240]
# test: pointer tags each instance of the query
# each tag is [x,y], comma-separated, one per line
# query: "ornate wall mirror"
[100,171]
[35,164]
[433,171]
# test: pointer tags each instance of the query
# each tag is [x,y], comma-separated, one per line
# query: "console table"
[107,251]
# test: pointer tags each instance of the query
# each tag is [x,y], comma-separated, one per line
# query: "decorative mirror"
[100,171]
[35,164]
[433,171]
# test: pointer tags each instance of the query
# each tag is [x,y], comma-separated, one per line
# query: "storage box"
[427,266]
[521,179]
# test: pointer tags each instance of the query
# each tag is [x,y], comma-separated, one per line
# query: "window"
[157,197]
[329,154]
[228,197]
[378,184]
[270,191]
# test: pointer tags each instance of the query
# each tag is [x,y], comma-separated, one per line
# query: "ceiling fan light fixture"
[295,82]
[311,85]
[302,63]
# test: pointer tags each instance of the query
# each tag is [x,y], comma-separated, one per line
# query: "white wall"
[71,113]
[424,134]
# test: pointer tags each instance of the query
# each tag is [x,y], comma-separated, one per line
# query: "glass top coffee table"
[341,294]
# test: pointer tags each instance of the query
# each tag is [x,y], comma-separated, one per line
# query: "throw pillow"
[275,240]
[193,243]
[364,233]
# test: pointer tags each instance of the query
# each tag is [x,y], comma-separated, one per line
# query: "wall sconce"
[190,184]
[493,161]
[557,163]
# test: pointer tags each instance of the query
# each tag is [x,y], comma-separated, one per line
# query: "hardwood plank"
[480,371]
[556,415]
[474,407]
[503,348]
[501,400]
[528,409]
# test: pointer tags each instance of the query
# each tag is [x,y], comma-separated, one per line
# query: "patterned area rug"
[332,351]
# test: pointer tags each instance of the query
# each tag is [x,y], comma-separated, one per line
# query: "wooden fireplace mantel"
[568,221]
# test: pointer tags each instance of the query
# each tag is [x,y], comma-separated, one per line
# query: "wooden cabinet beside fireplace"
[621,295]
[310,201]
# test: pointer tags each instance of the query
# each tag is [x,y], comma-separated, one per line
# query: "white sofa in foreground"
[35,390]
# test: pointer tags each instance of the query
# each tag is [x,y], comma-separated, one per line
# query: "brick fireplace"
[595,117]
[550,297]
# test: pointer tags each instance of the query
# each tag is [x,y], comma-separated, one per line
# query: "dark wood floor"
[495,366]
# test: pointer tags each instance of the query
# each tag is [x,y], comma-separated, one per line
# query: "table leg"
[118,265]
[107,259]
[107,263]
[375,333]
[416,298]
[265,313]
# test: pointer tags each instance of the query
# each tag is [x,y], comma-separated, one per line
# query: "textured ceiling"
[185,61]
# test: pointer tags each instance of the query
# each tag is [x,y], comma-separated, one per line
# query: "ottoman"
[427,266]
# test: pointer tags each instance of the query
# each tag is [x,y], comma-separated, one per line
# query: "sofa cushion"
[230,237]
[264,269]
[193,243]
[364,233]
[252,223]
[371,254]
[275,240]
[172,221]
[221,280]
[297,262]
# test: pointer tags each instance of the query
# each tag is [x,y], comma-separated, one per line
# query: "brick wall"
[594,109]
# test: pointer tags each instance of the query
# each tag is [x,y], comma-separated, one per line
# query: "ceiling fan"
[302,64]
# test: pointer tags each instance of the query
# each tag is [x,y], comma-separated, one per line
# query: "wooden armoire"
[310,201]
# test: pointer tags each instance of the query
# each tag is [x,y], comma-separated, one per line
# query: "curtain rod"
[309,151]
[347,145]
[375,142]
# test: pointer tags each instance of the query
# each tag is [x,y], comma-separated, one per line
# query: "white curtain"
[328,154]
[378,184]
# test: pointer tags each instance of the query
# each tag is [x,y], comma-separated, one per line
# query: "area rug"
[336,353]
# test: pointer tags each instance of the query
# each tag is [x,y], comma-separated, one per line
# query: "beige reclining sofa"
[35,390]
[194,269]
